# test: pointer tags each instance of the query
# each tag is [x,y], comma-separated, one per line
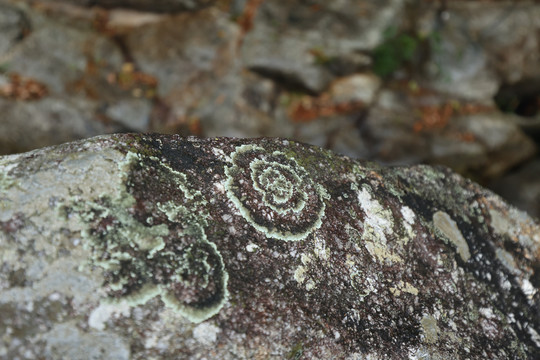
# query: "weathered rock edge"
[151,246]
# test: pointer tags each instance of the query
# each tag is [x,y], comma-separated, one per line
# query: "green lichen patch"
[166,253]
[274,194]
[198,289]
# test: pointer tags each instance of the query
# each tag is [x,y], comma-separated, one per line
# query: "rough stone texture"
[147,246]
[13,24]
[505,34]
[521,188]
[469,143]
[165,6]
[286,68]
[289,35]
[47,121]
[193,54]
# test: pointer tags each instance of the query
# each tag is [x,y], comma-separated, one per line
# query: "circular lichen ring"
[274,193]
[198,288]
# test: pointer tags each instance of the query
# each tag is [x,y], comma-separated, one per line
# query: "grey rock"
[521,187]
[13,28]
[165,6]
[291,40]
[187,53]
[159,6]
[462,71]
[133,113]
[58,55]
[497,145]
[74,64]
[484,145]
[529,125]
[355,88]
[484,44]
[153,246]
[27,125]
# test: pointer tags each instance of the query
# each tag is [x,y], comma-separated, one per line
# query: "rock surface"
[521,188]
[167,6]
[161,247]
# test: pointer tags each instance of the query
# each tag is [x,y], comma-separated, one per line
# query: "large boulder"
[161,247]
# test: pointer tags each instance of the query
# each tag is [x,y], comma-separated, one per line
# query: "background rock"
[144,5]
[292,41]
[48,121]
[438,76]
[14,26]
[521,186]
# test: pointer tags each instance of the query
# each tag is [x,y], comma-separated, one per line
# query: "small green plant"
[4,67]
[396,50]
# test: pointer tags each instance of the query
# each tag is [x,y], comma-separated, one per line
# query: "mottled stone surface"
[305,70]
[163,247]
[166,6]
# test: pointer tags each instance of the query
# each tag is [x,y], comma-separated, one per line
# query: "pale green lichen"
[198,314]
[448,227]
[6,181]
[124,230]
[430,329]
[131,251]
[273,193]
[275,187]
[403,286]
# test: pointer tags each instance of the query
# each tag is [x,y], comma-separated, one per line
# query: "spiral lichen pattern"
[274,194]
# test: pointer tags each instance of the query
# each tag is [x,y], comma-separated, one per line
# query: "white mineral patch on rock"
[300,274]
[252,247]
[206,333]
[528,288]
[534,336]
[409,218]
[377,218]
[378,222]
[104,311]
[408,215]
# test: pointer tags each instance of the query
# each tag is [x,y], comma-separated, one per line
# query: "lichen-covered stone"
[162,247]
